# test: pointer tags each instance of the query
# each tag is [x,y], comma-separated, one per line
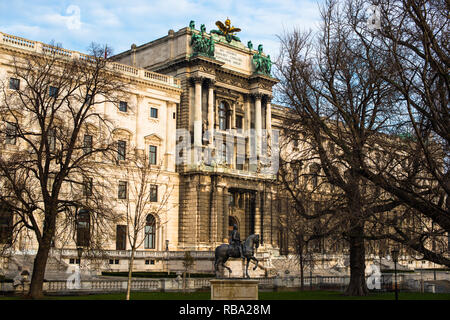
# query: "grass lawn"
[281,295]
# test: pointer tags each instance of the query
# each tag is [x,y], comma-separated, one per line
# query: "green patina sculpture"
[201,44]
[250,45]
[262,64]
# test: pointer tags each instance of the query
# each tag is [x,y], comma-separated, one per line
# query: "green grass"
[281,295]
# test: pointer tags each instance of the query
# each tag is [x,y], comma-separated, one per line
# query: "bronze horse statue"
[226,251]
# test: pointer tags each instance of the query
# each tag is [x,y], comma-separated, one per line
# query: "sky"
[119,23]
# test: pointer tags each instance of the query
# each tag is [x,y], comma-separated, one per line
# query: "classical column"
[247,115]
[225,213]
[258,122]
[198,111]
[211,111]
[217,114]
[233,116]
[257,221]
[268,117]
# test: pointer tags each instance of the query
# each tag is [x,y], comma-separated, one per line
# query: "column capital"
[257,96]
[196,79]
[268,98]
[210,82]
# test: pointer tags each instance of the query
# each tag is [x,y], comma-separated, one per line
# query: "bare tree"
[49,106]
[340,106]
[148,198]
[413,38]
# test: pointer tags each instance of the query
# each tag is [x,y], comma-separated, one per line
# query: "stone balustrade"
[406,282]
[39,47]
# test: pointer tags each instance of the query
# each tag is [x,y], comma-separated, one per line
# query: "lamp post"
[311,264]
[167,257]
[395,253]
[79,253]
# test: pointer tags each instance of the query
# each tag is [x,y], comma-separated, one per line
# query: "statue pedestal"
[234,289]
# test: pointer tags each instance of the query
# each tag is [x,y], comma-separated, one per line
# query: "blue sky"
[75,24]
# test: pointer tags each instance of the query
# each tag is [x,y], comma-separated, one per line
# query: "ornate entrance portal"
[242,210]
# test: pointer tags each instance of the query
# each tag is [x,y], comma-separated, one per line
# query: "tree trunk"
[130,273]
[357,285]
[37,277]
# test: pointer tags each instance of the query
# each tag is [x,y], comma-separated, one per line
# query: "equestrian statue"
[235,249]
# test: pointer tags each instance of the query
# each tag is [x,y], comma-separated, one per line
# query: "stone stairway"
[55,268]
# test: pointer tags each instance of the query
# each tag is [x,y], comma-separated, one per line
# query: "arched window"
[223,123]
[150,232]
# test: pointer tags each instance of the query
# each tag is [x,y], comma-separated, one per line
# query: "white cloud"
[120,23]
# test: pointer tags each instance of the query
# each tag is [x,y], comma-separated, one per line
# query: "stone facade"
[214,197]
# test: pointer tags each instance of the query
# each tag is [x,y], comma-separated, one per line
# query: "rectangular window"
[14,84]
[239,121]
[121,150]
[240,160]
[123,106]
[11,133]
[152,157]
[121,237]
[154,112]
[83,228]
[6,225]
[89,99]
[153,193]
[87,187]
[87,143]
[122,192]
[296,177]
[52,139]
[53,91]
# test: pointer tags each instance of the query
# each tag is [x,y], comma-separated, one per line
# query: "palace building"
[224,98]
[199,105]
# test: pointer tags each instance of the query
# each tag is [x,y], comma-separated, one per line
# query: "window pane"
[222,117]
[149,241]
[87,187]
[121,150]
[6,225]
[121,237]
[152,154]
[154,193]
[123,106]
[87,143]
[53,92]
[122,192]
[83,228]
[11,132]
[52,139]
[14,84]
[239,122]
[153,112]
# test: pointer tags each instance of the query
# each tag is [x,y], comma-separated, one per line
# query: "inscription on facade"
[229,57]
